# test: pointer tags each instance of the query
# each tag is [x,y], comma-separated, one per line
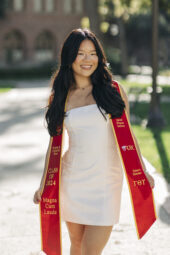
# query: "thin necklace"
[84,87]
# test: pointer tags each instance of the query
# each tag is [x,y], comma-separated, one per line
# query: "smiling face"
[86,61]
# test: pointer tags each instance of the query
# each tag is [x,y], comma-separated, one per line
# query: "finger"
[35,200]
[39,196]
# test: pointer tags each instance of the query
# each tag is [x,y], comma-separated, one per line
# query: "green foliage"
[3,6]
[113,54]
[110,7]
[138,30]
[126,2]
[164,6]
[145,6]
[139,34]
[114,59]
[164,28]
[131,7]
[43,71]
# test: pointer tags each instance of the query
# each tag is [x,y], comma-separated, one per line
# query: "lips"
[86,67]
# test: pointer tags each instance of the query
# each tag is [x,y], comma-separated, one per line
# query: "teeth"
[86,66]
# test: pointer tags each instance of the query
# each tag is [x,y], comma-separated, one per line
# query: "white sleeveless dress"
[92,175]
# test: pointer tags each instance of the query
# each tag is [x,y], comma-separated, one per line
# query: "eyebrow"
[89,51]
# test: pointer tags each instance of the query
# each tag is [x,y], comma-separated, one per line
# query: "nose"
[87,56]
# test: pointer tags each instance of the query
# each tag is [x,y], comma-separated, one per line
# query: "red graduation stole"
[139,188]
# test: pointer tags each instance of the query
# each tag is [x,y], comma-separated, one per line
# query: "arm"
[149,177]
[37,195]
[45,166]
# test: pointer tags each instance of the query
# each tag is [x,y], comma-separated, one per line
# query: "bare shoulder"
[122,90]
[125,98]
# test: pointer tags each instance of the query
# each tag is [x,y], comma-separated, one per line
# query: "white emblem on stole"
[124,147]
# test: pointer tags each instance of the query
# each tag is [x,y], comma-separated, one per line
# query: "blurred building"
[32,31]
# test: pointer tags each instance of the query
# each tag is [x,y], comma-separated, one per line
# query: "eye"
[80,53]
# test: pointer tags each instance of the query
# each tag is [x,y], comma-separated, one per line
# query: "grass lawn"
[2,90]
[154,146]
[154,143]
[134,87]
[4,87]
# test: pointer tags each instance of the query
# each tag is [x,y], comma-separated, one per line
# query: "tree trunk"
[155,116]
[3,5]
[122,41]
[91,10]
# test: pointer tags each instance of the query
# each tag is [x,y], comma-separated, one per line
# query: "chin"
[87,73]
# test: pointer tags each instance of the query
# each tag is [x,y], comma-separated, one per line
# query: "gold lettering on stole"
[53,212]
[50,181]
[139,182]
[120,123]
[52,170]
[56,150]
[136,172]
[130,147]
[50,206]
[51,176]
[49,200]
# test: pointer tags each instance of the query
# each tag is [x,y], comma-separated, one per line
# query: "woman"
[91,180]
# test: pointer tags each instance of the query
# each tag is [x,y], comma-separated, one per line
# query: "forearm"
[45,167]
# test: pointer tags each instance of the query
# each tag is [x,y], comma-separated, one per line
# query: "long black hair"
[105,95]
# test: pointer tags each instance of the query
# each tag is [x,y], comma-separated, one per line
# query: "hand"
[150,179]
[37,196]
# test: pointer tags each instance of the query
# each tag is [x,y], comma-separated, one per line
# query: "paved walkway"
[23,145]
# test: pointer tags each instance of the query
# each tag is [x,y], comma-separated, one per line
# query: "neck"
[82,82]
